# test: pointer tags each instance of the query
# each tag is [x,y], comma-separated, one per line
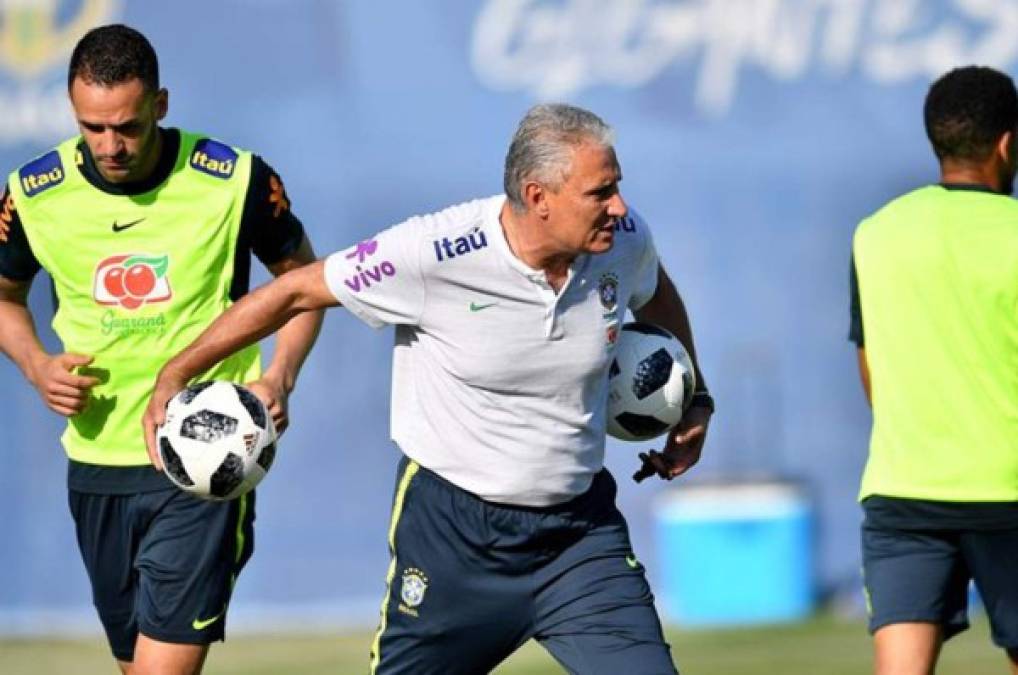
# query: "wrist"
[280,380]
[702,399]
[35,365]
[170,374]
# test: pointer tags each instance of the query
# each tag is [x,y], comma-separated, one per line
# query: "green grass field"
[823,646]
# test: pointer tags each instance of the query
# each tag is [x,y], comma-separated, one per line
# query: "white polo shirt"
[499,385]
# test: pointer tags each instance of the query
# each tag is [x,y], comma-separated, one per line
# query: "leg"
[187,564]
[595,610]
[906,648]
[448,608]
[917,588]
[152,657]
[108,538]
[992,555]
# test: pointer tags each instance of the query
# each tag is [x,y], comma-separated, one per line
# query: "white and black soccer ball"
[218,440]
[650,383]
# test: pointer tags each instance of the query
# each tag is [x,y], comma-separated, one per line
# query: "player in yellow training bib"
[147,233]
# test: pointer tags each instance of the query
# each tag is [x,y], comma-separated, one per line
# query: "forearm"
[667,310]
[293,343]
[18,339]
[255,316]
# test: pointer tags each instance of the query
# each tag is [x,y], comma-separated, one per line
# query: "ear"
[1005,146]
[535,196]
[161,103]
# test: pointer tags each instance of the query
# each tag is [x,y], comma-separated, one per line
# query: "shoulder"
[452,231]
[904,206]
[453,220]
[41,174]
[210,156]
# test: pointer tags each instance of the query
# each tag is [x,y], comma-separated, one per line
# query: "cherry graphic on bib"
[139,280]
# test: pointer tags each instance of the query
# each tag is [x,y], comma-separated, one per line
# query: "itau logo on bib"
[132,280]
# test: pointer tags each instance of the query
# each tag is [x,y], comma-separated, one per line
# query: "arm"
[685,442]
[293,343]
[864,375]
[63,391]
[856,333]
[253,317]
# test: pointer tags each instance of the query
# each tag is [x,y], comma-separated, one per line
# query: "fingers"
[275,401]
[149,426]
[64,391]
[654,463]
[681,452]
[69,360]
[280,419]
[280,422]
[155,417]
[55,390]
[63,370]
[66,388]
[65,407]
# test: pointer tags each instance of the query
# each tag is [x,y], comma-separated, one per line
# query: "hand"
[682,449]
[62,390]
[166,387]
[276,399]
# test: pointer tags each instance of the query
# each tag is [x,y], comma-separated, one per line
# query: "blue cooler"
[734,554]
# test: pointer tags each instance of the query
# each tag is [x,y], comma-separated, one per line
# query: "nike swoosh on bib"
[121,228]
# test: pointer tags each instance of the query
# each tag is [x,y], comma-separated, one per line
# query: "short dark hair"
[967,110]
[114,54]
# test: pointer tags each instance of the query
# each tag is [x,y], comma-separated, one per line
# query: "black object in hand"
[653,463]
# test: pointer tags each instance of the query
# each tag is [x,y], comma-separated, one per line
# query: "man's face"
[584,210]
[120,126]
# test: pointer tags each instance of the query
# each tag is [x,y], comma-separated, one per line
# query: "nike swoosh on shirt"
[121,228]
[474,307]
[200,624]
[632,561]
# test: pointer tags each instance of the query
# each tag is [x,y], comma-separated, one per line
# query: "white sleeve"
[380,279]
[645,277]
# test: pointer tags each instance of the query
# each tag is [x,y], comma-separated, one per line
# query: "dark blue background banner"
[753,135]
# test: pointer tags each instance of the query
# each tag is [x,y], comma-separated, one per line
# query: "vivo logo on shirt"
[447,249]
[365,276]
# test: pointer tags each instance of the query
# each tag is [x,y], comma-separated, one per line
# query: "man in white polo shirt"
[504,525]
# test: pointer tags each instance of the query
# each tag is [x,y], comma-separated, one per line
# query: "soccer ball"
[218,440]
[650,383]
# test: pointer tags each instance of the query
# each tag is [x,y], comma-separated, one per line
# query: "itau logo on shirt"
[447,249]
[132,280]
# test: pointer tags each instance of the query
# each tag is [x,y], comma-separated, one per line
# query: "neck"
[152,159]
[528,241]
[969,173]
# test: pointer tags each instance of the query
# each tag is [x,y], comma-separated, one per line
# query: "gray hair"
[543,145]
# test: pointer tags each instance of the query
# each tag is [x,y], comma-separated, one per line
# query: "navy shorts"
[920,575]
[162,563]
[471,581]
